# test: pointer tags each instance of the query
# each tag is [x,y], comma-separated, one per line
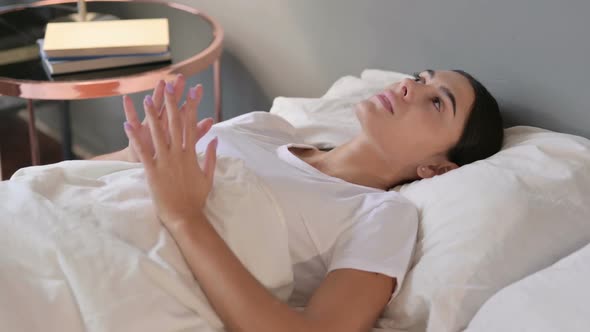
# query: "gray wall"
[532,54]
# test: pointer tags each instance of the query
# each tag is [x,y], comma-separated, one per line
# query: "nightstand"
[188,26]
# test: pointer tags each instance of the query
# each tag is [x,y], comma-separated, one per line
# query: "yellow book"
[70,39]
[19,54]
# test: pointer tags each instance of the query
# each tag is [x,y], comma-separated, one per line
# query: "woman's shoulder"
[260,122]
[248,135]
[376,197]
[399,199]
[392,203]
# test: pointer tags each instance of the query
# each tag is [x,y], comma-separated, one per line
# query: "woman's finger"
[164,123]
[138,145]
[203,127]
[174,124]
[129,109]
[193,101]
[158,133]
[158,95]
[179,84]
[182,116]
[210,160]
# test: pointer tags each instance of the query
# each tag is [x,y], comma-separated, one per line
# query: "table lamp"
[83,15]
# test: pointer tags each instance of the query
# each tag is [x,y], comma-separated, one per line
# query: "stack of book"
[83,46]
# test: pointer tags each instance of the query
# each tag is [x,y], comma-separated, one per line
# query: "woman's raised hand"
[178,184]
[142,127]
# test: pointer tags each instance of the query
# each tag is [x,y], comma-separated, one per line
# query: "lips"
[386,102]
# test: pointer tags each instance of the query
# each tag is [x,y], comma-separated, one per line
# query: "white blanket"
[554,299]
[81,249]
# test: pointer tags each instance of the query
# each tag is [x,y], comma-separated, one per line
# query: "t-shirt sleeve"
[382,241]
[260,127]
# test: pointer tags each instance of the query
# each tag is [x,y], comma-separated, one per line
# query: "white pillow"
[490,223]
[555,299]
[484,225]
[330,120]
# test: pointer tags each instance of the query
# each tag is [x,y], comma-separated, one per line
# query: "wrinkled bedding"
[83,250]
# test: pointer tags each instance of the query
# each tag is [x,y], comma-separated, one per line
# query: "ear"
[440,168]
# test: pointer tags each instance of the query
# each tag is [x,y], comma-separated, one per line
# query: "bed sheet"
[82,249]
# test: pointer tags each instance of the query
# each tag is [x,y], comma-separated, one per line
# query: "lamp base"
[89,17]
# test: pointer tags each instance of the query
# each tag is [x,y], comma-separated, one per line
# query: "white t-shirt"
[331,223]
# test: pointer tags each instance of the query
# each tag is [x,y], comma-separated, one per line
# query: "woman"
[351,241]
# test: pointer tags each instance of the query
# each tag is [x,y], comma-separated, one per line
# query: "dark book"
[19,32]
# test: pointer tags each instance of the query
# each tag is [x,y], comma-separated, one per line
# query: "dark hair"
[484,132]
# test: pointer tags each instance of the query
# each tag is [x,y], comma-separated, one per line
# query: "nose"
[407,89]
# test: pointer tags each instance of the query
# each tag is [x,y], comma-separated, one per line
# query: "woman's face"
[417,121]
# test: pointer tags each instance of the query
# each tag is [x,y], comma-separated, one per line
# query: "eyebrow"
[446,91]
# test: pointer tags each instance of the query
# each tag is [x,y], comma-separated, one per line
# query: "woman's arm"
[242,303]
[347,300]
[122,155]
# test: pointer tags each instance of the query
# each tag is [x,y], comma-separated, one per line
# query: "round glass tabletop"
[195,44]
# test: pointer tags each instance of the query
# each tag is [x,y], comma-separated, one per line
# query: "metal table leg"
[1,174]
[33,139]
[66,131]
[217,88]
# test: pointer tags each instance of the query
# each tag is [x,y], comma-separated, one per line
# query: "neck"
[356,162]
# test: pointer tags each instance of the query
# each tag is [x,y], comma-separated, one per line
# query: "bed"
[514,257]
[68,265]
